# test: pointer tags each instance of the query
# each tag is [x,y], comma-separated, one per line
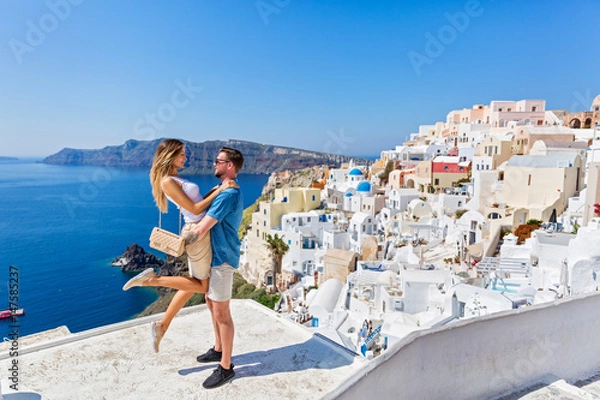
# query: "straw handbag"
[165,241]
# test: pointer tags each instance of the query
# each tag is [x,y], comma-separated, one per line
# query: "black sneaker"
[219,377]
[210,356]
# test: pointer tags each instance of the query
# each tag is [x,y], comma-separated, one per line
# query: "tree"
[278,249]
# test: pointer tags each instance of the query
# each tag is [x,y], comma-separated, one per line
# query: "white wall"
[485,357]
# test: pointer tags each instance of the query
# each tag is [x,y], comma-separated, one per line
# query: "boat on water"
[12,313]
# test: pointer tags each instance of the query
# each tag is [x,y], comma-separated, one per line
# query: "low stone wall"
[486,357]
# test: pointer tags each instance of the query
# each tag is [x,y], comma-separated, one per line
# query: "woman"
[167,184]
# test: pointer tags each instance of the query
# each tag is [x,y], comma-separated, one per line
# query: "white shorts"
[221,282]
[199,254]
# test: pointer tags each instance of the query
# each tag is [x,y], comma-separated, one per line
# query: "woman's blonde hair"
[162,166]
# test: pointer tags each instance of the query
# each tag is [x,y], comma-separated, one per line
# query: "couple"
[214,251]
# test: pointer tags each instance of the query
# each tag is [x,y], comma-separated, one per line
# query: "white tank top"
[193,192]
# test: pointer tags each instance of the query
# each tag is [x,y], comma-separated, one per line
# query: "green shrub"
[245,291]
[459,213]
[255,295]
[238,281]
[196,299]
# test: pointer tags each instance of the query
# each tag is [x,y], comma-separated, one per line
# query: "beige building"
[448,170]
[544,148]
[258,265]
[499,113]
[583,119]
[526,136]
[539,187]
[372,205]
[421,178]
[338,264]
[491,152]
[592,192]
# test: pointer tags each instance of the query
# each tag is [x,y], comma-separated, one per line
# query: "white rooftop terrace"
[273,358]
[547,351]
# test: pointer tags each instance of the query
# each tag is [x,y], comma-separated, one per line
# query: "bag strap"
[160,220]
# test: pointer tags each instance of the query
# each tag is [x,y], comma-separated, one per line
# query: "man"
[223,220]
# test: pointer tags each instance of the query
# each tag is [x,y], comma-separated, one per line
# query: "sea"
[60,229]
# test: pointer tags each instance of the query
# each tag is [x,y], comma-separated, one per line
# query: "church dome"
[363,187]
[595,103]
[355,172]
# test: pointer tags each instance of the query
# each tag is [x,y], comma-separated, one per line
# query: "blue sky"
[346,77]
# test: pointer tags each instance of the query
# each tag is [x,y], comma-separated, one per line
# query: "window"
[473,225]
[500,109]
[264,211]
[495,149]
[446,168]
[264,223]
[534,108]
[437,182]
[314,197]
[509,109]
[529,180]
[459,204]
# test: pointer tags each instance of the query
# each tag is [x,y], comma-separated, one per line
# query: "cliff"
[259,158]
[136,259]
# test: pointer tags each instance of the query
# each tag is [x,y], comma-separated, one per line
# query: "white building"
[361,226]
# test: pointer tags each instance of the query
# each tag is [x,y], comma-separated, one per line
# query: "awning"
[475,250]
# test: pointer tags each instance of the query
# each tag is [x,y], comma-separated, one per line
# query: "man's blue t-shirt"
[227,208]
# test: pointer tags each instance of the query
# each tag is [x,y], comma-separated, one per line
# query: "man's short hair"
[235,156]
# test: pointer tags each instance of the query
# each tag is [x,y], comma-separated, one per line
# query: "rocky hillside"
[259,158]
[301,178]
